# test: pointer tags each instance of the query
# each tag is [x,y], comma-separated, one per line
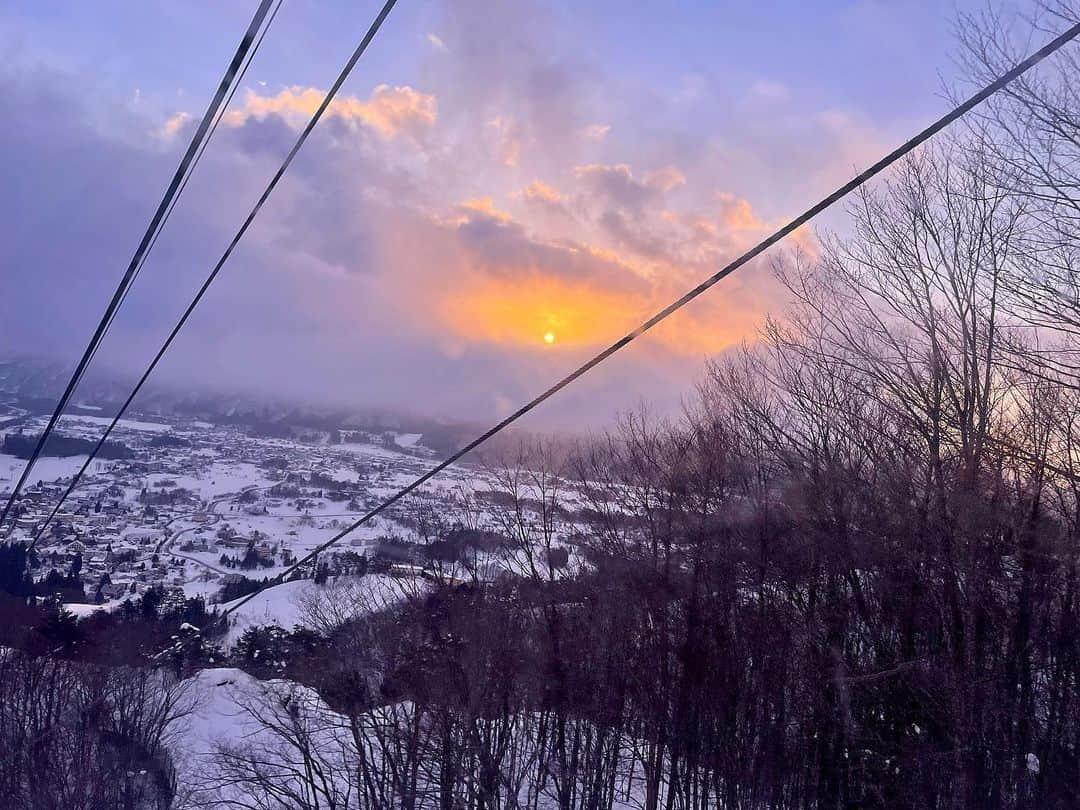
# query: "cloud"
[629,210]
[361,262]
[436,42]
[509,137]
[391,111]
[665,179]
[538,191]
[737,215]
[520,312]
[616,184]
[483,206]
[769,91]
[175,124]
[394,276]
[500,246]
[596,132]
[511,286]
[546,204]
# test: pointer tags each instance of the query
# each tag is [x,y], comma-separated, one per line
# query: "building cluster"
[201,505]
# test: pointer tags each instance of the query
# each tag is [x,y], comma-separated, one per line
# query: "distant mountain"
[35,386]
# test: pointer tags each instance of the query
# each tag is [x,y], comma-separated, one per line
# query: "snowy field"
[68,420]
[218,479]
[47,469]
[300,602]
[280,605]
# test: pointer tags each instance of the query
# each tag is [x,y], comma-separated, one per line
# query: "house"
[141,535]
[115,590]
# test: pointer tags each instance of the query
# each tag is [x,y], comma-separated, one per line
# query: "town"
[212,510]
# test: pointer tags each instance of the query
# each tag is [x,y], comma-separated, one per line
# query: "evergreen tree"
[14,574]
[76,568]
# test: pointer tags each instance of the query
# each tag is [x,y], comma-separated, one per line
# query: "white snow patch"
[82,610]
[1032,763]
[407,439]
[225,703]
[277,605]
[49,468]
[129,424]
[348,598]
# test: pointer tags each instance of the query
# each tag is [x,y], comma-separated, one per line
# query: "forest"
[20,446]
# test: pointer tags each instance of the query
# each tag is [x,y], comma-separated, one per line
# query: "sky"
[502,188]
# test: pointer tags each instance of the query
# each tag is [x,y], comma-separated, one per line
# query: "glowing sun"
[549,338]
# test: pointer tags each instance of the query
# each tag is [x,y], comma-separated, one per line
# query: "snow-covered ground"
[297,603]
[220,478]
[407,439]
[180,542]
[68,420]
[83,610]
[280,605]
[46,469]
[277,744]
[183,514]
[226,707]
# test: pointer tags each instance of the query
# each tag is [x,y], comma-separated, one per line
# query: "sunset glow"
[513,314]
[478,207]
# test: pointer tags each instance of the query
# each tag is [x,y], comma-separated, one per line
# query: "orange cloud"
[735,228]
[539,191]
[513,291]
[390,111]
[738,217]
[520,312]
[174,124]
[736,214]
[665,179]
[579,315]
[481,205]
[509,137]
[486,278]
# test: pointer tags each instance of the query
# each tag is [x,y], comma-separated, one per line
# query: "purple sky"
[496,175]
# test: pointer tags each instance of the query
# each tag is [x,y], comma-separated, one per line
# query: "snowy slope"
[344,598]
[227,705]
